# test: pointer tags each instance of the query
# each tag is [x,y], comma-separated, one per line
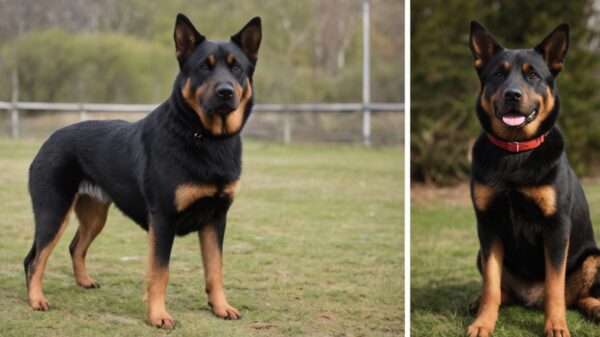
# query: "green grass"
[314,247]
[444,277]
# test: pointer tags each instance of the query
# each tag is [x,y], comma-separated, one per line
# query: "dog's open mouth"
[516,119]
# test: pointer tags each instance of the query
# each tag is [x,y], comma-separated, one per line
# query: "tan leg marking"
[554,297]
[482,196]
[544,197]
[187,194]
[92,217]
[491,297]
[157,278]
[213,266]
[35,293]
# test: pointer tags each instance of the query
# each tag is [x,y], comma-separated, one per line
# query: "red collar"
[517,146]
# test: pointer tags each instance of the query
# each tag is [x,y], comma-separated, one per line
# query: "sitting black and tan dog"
[537,245]
[174,172]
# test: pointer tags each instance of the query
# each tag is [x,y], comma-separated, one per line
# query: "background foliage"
[122,50]
[444,84]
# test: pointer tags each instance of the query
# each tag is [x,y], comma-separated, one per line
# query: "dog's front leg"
[556,245]
[160,242]
[492,255]
[211,242]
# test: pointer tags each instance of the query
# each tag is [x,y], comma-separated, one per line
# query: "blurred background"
[122,51]
[444,83]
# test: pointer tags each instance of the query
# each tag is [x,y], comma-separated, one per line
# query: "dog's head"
[215,78]
[518,99]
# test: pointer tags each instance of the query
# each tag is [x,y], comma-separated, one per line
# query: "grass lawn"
[444,277]
[314,247]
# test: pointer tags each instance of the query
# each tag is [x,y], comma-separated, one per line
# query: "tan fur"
[543,196]
[554,296]
[496,124]
[491,297]
[157,278]
[91,214]
[546,104]
[526,67]
[212,60]
[193,100]
[236,118]
[589,306]
[230,58]
[213,123]
[187,194]
[213,266]
[506,66]
[482,196]
[35,293]
[231,190]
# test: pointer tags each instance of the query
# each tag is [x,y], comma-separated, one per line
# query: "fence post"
[287,127]
[82,113]
[366,132]
[14,115]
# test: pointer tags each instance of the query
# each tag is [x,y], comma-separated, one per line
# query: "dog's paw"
[161,321]
[474,305]
[225,311]
[558,332]
[88,283]
[556,329]
[476,330]
[39,304]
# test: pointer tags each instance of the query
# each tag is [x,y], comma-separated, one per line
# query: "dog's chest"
[525,211]
[197,204]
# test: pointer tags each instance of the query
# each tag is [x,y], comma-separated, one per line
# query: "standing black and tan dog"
[174,172]
[537,245]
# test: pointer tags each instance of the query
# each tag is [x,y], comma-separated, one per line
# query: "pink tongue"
[513,119]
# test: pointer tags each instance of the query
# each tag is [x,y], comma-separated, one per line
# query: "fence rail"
[84,108]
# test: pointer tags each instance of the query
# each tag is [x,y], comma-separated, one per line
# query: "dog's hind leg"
[92,214]
[589,279]
[50,222]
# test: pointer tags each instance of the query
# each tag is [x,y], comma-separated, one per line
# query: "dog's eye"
[533,76]
[236,67]
[499,74]
[204,66]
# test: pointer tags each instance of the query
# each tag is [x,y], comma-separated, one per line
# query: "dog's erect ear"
[248,39]
[483,45]
[186,38]
[554,48]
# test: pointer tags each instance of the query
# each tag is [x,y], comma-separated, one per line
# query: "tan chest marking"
[482,196]
[543,196]
[187,194]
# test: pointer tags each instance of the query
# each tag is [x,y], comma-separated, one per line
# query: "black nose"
[513,94]
[224,91]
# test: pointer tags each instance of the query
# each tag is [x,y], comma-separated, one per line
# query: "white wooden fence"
[84,108]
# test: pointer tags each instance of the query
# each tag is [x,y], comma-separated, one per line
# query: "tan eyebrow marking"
[212,59]
[230,58]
